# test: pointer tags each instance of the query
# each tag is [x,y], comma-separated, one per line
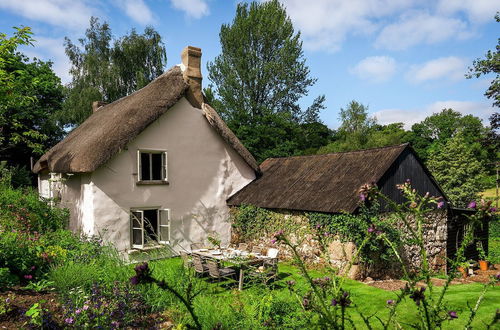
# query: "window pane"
[145,166]
[157,166]
[136,220]
[137,236]
[164,233]
[151,224]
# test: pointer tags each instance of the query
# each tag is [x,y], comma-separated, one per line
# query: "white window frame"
[164,164]
[163,220]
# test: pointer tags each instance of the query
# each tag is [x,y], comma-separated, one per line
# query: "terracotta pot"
[463,271]
[483,264]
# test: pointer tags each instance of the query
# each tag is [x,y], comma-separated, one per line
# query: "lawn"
[218,303]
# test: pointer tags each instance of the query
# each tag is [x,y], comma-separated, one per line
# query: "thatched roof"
[108,130]
[322,183]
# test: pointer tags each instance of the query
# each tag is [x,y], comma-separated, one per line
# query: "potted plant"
[463,268]
[483,259]
[215,241]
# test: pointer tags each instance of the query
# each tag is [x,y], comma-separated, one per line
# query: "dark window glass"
[145,165]
[137,236]
[151,225]
[156,166]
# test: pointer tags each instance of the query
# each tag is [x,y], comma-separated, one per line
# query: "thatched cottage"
[154,167]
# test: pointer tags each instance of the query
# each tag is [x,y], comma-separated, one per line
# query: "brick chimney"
[191,61]
[96,105]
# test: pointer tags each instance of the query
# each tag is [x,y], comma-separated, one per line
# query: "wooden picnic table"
[239,258]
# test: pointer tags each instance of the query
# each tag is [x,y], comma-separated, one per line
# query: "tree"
[435,130]
[457,171]
[259,78]
[105,69]
[30,95]
[489,64]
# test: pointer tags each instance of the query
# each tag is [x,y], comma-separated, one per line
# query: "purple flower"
[472,205]
[390,302]
[371,229]
[69,320]
[85,307]
[418,295]
[440,205]
[362,197]
[78,311]
[7,300]
[28,277]
[33,267]
[273,241]
[318,226]
[334,302]
[497,276]
[134,280]
[453,314]
[493,209]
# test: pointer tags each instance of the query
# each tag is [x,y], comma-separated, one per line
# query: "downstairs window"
[149,227]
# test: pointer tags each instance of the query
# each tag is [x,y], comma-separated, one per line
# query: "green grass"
[230,308]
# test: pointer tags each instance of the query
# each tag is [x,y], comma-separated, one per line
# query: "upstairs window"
[152,166]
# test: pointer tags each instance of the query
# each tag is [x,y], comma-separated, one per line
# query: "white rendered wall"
[203,171]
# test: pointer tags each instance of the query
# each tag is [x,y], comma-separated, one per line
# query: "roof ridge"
[342,152]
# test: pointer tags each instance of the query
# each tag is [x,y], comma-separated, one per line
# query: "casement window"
[152,166]
[149,227]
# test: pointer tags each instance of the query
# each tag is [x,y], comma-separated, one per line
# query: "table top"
[232,255]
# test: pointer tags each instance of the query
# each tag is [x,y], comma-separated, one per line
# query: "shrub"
[7,279]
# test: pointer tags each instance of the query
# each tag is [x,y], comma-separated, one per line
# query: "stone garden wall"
[341,253]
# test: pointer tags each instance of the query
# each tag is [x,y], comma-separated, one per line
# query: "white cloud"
[451,68]
[411,116]
[51,49]
[375,68]
[137,10]
[421,28]
[192,8]
[480,11]
[73,14]
[325,24]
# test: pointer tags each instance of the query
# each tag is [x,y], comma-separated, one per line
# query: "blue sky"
[405,59]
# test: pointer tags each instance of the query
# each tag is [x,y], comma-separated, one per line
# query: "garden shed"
[330,183]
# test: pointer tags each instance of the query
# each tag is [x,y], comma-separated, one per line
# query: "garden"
[51,278]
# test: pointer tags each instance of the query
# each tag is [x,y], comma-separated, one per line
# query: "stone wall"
[340,254]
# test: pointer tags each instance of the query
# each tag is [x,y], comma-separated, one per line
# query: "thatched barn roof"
[108,130]
[322,183]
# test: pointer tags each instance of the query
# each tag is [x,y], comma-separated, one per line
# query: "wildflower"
[440,205]
[78,311]
[472,205]
[290,283]
[69,320]
[85,307]
[7,300]
[134,280]
[453,314]
[28,277]
[33,267]
[273,241]
[418,295]
[371,229]
[390,302]
[115,324]
[413,205]
[493,210]
[362,197]
[305,302]
[344,300]
[497,276]
[334,302]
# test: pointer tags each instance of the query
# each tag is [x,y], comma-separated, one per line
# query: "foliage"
[359,131]
[489,64]
[259,78]
[457,170]
[7,279]
[30,94]
[109,307]
[22,210]
[106,69]
[433,133]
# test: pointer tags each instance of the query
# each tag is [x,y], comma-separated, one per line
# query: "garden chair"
[186,259]
[219,273]
[256,250]
[197,246]
[199,265]
[243,246]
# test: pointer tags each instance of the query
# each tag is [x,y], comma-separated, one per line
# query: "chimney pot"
[191,59]
[98,104]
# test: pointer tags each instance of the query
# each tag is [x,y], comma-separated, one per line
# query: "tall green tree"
[106,69]
[30,95]
[259,78]
[457,170]
[435,130]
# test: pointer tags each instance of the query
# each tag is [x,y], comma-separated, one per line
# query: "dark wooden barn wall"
[407,166]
